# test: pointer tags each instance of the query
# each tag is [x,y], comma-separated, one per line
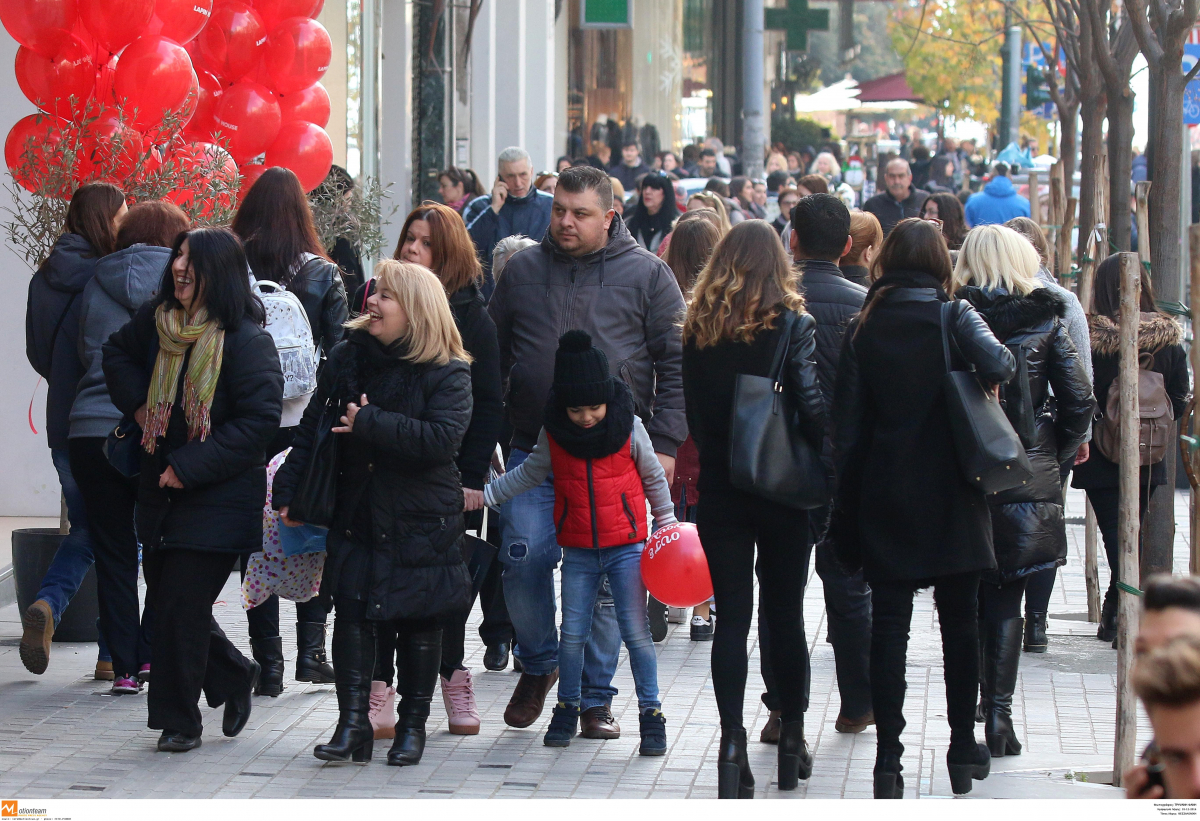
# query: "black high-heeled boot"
[311,662]
[966,763]
[268,652]
[1002,654]
[888,781]
[734,779]
[1035,632]
[1108,617]
[354,661]
[795,760]
[416,676]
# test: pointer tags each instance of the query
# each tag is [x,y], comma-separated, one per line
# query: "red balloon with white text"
[232,43]
[674,567]
[248,116]
[116,23]
[305,149]
[154,75]
[53,82]
[39,24]
[181,20]
[298,54]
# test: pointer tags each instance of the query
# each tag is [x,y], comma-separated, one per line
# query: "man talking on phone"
[513,207]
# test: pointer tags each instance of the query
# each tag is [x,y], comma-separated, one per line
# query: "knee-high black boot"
[417,679]
[1002,654]
[354,661]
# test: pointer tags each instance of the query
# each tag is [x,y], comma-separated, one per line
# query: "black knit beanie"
[581,372]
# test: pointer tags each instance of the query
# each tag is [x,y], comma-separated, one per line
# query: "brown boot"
[598,722]
[845,724]
[770,730]
[38,624]
[525,706]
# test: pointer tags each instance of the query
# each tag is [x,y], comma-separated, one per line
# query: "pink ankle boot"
[383,710]
[459,697]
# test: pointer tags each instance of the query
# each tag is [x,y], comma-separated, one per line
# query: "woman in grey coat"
[124,281]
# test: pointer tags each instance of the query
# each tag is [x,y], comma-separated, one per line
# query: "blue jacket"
[528,215]
[997,203]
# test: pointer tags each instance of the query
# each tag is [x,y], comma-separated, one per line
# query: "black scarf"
[604,439]
[368,357]
[902,278]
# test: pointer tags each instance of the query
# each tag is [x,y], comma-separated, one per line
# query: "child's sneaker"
[144,673]
[653,725]
[382,711]
[126,685]
[563,724]
[459,697]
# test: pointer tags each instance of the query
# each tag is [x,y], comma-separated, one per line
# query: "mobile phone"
[1154,767]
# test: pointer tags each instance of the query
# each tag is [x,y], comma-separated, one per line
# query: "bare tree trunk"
[1120,169]
[1091,145]
[1068,143]
[1166,193]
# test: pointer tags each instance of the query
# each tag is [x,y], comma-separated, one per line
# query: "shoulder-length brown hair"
[746,284]
[276,226]
[914,245]
[692,243]
[454,260]
[91,215]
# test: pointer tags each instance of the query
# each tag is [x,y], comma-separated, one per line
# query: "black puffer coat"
[833,300]
[487,397]
[224,477]
[399,495]
[1029,531]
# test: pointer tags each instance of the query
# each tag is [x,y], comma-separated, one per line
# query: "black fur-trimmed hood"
[1155,332]
[1007,313]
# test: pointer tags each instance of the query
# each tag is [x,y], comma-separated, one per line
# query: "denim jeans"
[583,569]
[529,553]
[74,556]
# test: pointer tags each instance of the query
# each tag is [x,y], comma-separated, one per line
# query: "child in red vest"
[604,469]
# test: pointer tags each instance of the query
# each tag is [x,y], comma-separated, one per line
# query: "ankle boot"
[1108,617]
[1035,632]
[981,708]
[1002,654]
[795,761]
[354,654]
[311,663]
[734,779]
[888,781]
[269,655]
[968,762]
[421,655]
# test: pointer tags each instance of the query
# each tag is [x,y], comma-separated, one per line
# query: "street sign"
[797,20]
[1191,93]
[606,14]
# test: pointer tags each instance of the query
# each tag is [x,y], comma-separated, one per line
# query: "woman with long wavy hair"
[742,299]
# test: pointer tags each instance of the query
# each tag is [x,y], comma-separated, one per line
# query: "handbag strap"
[947,307]
[781,348]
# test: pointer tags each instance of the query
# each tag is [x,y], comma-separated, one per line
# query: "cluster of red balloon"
[244,72]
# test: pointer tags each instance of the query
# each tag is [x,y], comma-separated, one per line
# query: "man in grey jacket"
[589,274]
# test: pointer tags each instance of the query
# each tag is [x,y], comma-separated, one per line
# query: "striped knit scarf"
[175,336]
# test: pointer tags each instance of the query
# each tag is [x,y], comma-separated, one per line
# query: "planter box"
[32,551]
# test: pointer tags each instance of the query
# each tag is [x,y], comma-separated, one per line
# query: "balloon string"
[31,398]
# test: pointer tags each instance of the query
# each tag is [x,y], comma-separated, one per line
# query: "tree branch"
[1147,40]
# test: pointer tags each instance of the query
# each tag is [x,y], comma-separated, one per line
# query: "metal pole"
[1005,86]
[1012,42]
[1128,524]
[1035,197]
[753,128]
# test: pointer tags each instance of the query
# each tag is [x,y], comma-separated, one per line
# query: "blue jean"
[530,553]
[74,556]
[583,569]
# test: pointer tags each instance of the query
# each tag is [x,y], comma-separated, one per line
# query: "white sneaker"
[677,615]
[383,710]
[459,697]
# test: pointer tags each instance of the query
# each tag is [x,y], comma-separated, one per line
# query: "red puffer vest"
[597,502]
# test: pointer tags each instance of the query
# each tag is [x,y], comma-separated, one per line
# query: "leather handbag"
[768,455]
[316,494]
[990,453]
[123,448]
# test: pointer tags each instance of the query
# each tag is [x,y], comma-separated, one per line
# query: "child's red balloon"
[674,568]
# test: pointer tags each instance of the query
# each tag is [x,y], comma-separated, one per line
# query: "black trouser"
[891,617]
[1000,602]
[109,499]
[496,627]
[730,524]
[191,651]
[1105,502]
[1039,589]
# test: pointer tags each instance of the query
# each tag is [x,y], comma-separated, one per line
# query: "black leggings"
[957,606]
[1001,602]
[730,523]
[1105,501]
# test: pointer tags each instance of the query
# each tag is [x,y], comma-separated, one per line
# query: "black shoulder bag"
[316,493]
[768,455]
[990,453]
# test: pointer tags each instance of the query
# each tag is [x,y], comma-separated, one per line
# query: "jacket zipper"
[592,504]
[562,522]
[629,513]
[565,324]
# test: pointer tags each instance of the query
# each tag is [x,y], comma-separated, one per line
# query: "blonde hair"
[432,335]
[993,256]
[1169,676]
[714,202]
[775,162]
[866,232]
[747,283]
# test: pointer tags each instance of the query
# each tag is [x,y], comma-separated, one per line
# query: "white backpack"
[287,323]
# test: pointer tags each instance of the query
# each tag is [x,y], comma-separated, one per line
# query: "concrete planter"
[32,551]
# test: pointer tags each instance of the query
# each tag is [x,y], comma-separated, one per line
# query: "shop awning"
[892,88]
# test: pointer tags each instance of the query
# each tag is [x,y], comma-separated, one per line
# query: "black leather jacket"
[318,285]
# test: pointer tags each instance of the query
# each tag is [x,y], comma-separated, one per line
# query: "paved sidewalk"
[63,735]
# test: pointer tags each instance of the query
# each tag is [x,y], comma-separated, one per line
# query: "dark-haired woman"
[654,213]
[276,226]
[1161,337]
[904,512]
[52,346]
[946,209]
[124,281]
[458,186]
[197,371]
[742,299]
[346,254]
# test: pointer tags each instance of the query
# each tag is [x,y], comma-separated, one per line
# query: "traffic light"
[1037,93]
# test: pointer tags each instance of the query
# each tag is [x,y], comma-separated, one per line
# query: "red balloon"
[51,82]
[116,23]
[202,125]
[298,54]
[308,104]
[39,24]
[248,115]
[674,568]
[180,20]
[154,75]
[232,42]
[202,165]
[250,174]
[30,147]
[109,150]
[305,149]
[274,12]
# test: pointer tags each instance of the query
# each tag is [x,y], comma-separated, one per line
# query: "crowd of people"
[534,365]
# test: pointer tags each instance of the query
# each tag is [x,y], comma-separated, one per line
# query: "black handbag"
[768,455]
[990,453]
[316,493]
[123,448]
